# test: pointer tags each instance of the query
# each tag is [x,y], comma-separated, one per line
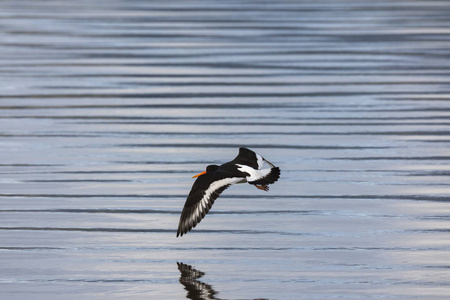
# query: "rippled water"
[107,109]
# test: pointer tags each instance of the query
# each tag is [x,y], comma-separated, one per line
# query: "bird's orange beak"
[195,176]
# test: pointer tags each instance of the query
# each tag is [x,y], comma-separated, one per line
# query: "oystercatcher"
[248,166]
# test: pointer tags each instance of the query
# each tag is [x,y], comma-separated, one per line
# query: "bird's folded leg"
[262,187]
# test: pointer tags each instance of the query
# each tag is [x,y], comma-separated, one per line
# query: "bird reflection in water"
[196,290]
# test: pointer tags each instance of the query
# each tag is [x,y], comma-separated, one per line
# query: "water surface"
[107,109]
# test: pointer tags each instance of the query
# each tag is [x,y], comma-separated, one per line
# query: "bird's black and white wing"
[260,171]
[204,192]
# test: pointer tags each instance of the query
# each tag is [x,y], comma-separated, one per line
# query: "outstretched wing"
[252,159]
[259,170]
[247,157]
[264,176]
[204,192]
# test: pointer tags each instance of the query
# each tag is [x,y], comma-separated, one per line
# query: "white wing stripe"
[202,205]
[259,161]
[254,174]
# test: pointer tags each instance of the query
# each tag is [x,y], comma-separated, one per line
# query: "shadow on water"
[196,290]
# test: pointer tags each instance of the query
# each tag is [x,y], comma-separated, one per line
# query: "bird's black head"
[210,168]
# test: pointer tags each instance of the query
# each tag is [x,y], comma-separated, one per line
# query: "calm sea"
[107,108]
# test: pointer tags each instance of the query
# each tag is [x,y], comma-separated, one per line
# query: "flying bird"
[248,166]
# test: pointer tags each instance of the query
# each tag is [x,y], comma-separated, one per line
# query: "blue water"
[107,109]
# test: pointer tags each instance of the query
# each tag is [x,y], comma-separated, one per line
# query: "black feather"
[246,157]
[194,198]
